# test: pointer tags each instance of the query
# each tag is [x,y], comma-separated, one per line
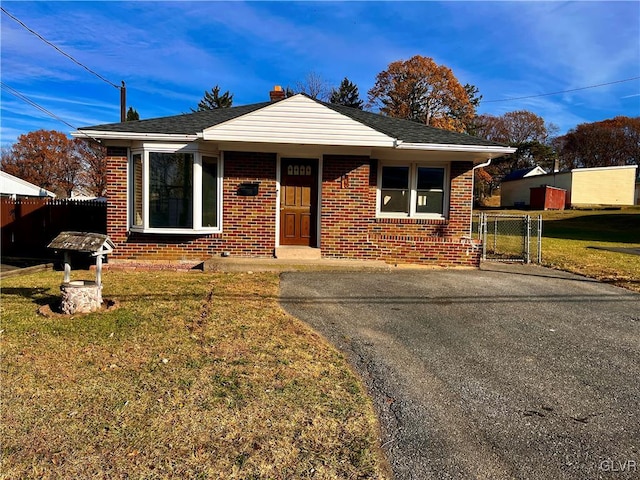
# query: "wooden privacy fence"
[28,225]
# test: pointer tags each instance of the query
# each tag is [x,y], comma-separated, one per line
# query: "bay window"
[174,189]
[412,190]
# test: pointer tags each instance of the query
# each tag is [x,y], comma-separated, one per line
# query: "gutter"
[499,150]
[473,182]
[104,135]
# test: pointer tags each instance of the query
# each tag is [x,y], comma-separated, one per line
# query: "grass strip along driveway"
[192,376]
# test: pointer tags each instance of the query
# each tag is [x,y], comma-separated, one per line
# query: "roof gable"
[524,172]
[299,120]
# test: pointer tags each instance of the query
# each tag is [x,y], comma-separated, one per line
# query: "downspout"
[473,181]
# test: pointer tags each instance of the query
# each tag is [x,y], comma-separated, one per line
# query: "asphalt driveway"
[519,372]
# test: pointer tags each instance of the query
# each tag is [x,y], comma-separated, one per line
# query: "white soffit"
[297,120]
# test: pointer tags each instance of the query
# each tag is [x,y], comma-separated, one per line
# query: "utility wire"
[563,91]
[26,99]
[59,50]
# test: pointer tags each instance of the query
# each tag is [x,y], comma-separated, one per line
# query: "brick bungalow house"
[257,180]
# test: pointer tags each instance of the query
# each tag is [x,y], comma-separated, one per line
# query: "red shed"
[547,198]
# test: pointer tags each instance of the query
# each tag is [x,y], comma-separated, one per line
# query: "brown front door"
[298,201]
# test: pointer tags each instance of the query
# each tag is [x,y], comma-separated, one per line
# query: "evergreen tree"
[213,100]
[132,115]
[347,95]
[475,98]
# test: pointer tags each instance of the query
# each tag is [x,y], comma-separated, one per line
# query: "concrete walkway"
[239,264]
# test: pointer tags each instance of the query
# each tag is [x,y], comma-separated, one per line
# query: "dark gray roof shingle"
[185,124]
[193,123]
[518,174]
[408,131]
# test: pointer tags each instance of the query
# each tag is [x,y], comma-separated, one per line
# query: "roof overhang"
[109,135]
[475,153]
[496,151]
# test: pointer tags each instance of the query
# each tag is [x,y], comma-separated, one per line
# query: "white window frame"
[413,190]
[198,153]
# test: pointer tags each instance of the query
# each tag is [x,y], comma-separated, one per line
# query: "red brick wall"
[349,228]
[249,222]
[117,196]
[348,207]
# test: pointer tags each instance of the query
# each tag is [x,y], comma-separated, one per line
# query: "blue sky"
[169,53]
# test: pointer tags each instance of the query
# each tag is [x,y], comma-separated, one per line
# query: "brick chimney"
[276,94]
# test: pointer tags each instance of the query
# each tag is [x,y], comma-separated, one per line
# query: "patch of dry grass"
[193,376]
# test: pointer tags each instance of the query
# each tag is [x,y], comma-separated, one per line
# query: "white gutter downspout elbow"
[473,186]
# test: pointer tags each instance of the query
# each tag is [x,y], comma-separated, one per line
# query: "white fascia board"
[134,136]
[615,167]
[456,148]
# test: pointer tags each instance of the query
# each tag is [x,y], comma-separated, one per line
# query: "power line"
[26,99]
[563,91]
[59,50]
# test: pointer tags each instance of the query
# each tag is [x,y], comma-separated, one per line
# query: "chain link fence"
[510,238]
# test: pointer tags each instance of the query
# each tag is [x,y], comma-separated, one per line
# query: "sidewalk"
[238,264]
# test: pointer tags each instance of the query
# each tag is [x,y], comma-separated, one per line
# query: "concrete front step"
[291,252]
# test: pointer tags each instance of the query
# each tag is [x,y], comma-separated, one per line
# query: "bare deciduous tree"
[315,86]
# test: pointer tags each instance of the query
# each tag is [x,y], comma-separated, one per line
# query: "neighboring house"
[257,179]
[584,186]
[524,173]
[83,194]
[15,187]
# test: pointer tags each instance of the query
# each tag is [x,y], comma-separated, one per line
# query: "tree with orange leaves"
[418,89]
[94,158]
[611,142]
[522,129]
[51,160]
[44,158]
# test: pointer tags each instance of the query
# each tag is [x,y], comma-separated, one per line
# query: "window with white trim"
[412,190]
[173,189]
